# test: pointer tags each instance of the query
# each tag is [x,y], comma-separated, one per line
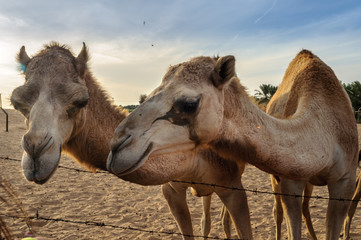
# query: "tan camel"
[66,110]
[202,103]
[276,107]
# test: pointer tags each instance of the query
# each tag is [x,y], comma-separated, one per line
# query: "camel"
[277,211]
[201,103]
[67,111]
[280,102]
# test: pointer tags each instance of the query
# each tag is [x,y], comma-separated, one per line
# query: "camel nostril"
[35,145]
[48,142]
[27,145]
[117,145]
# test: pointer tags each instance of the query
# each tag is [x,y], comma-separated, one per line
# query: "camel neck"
[90,146]
[277,146]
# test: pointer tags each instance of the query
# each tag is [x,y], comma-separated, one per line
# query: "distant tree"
[130,108]
[354,92]
[265,93]
[142,98]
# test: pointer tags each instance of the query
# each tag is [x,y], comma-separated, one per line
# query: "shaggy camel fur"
[66,110]
[201,103]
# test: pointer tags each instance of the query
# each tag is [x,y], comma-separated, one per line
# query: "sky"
[132,43]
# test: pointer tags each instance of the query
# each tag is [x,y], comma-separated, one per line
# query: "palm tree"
[265,93]
[142,98]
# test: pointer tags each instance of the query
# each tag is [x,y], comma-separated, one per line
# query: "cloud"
[129,58]
[266,12]
[127,68]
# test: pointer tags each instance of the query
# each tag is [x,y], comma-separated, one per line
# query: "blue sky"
[132,43]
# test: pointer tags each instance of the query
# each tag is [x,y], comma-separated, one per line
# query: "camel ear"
[223,71]
[81,60]
[23,59]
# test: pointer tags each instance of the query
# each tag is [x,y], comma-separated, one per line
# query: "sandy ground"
[127,210]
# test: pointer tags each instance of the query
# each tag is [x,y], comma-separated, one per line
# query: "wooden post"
[6,114]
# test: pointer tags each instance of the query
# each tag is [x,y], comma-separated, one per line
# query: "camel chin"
[152,156]
[40,170]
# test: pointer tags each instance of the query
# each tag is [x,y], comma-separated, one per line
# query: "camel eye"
[81,103]
[76,106]
[188,106]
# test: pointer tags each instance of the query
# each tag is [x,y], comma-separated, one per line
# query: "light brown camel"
[276,107]
[202,103]
[66,110]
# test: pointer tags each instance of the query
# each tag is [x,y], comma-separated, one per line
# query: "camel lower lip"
[135,166]
[40,182]
[31,176]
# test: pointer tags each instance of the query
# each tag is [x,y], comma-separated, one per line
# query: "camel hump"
[305,53]
[277,104]
[308,80]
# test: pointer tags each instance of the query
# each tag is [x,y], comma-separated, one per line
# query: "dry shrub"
[9,197]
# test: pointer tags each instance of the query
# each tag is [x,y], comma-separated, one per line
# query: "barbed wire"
[64,167]
[102,224]
[255,191]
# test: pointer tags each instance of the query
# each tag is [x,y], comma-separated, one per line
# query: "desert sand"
[83,205]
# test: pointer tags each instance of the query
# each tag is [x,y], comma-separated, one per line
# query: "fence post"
[6,115]
[358,115]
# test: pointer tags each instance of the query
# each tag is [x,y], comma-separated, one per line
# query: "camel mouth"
[113,162]
[117,146]
[32,176]
[44,180]
[34,173]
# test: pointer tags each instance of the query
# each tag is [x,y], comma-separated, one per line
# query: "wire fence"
[102,224]
[255,191]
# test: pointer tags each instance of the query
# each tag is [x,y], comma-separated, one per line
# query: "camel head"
[184,112]
[52,100]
